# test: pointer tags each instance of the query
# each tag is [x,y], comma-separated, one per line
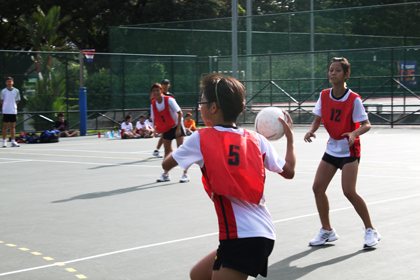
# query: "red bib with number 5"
[163,119]
[233,164]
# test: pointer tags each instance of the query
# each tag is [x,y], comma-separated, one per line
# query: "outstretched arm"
[169,162]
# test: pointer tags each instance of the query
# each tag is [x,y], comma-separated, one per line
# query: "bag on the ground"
[32,138]
[21,138]
[50,136]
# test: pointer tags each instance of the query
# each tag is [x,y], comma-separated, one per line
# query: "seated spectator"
[189,124]
[143,129]
[62,126]
[149,123]
[127,129]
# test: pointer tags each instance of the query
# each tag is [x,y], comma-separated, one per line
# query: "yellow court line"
[24,249]
[81,276]
[11,245]
[71,269]
[36,253]
[48,258]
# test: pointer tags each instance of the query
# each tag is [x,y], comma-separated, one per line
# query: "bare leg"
[4,130]
[179,142]
[323,177]
[159,143]
[12,130]
[203,270]
[348,182]
[167,145]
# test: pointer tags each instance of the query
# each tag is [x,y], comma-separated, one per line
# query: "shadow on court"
[115,192]
[285,270]
[150,159]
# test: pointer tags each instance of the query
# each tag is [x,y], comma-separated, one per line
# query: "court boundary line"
[159,166]
[191,238]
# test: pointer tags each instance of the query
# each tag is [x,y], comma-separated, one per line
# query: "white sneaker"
[4,144]
[323,237]
[372,237]
[156,154]
[185,178]
[15,144]
[163,178]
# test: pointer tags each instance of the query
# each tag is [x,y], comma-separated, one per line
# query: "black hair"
[228,93]
[127,117]
[345,64]
[60,115]
[9,78]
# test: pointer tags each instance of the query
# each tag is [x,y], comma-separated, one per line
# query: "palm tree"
[43,30]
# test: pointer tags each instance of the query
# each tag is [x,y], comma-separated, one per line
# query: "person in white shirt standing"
[10,97]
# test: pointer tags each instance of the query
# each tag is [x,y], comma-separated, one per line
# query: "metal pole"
[235,39]
[81,79]
[312,47]
[249,47]
[82,99]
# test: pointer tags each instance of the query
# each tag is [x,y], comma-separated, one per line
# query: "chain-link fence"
[346,28]
[119,84]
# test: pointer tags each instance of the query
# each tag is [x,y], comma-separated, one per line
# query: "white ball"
[267,123]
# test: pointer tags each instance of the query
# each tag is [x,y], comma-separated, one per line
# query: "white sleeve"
[318,110]
[272,161]
[151,112]
[359,112]
[173,105]
[189,152]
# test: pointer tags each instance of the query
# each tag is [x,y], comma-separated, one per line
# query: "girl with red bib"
[167,118]
[233,162]
[345,119]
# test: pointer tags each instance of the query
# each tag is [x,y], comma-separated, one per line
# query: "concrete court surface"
[89,208]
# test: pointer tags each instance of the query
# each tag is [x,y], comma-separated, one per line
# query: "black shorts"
[337,161]
[246,255]
[9,118]
[171,134]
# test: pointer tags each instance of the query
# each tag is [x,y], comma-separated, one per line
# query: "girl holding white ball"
[233,162]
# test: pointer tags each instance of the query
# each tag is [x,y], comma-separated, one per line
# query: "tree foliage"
[90,20]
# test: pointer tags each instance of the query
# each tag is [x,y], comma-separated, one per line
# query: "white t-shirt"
[251,220]
[339,148]
[127,127]
[149,123]
[173,108]
[10,97]
[139,125]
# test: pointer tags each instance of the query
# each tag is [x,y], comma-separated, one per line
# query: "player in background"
[10,97]
[165,90]
[341,111]
[233,162]
[167,118]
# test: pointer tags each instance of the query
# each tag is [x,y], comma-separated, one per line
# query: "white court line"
[159,166]
[90,151]
[189,238]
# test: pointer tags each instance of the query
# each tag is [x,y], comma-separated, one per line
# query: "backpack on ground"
[32,138]
[50,136]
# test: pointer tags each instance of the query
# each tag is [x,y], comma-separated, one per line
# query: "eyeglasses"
[204,102]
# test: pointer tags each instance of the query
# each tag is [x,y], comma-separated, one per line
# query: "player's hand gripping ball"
[267,123]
